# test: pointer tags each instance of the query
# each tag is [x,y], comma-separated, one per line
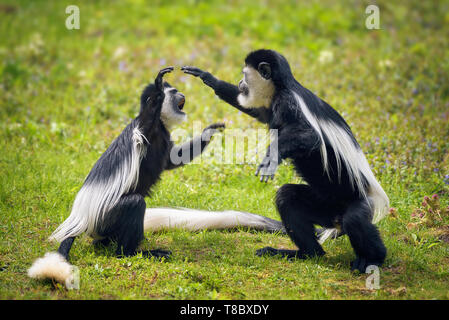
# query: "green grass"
[65,95]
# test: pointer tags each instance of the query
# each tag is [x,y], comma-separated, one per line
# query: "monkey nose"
[243,88]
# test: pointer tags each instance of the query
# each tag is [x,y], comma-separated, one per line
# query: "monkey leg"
[124,224]
[363,235]
[102,242]
[300,209]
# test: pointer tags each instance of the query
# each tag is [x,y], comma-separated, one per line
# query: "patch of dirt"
[8,9]
[442,233]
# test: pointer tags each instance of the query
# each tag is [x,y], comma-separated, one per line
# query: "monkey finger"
[160,75]
[192,73]
[218,125]
[192,70]
[163,72]
[166,70]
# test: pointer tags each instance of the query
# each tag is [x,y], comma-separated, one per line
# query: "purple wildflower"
[446,179]
[122,66]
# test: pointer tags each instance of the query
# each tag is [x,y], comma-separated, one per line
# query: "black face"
[243,87]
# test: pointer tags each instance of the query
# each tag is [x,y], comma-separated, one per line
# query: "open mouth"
[181,104]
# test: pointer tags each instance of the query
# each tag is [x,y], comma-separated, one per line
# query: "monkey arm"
[288,141]
[269,164]
[228,93]
[185,153]
[151,113]
[293,140]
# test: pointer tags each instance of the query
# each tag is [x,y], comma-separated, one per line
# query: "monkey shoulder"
[286,113]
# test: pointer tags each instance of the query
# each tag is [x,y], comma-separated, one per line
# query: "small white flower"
[386,63]
[119,52]
[326,56]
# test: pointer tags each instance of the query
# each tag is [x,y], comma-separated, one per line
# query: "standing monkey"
[341,190]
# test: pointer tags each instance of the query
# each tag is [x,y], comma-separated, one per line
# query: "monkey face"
[256,88]
[171,112]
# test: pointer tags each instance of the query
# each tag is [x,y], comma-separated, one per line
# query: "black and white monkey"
[341,193]
[110,205]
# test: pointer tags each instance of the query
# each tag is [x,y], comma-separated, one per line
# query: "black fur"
[329,199]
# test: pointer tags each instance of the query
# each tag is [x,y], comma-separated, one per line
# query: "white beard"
[261,90]
[172,118]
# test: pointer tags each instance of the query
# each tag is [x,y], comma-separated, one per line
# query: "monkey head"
[257,87]
[172,108]
[265,72]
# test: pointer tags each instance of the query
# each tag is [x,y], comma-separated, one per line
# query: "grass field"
[65,94]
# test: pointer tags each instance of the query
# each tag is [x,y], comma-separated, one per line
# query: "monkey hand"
[207,77]
[209,131]
[267,168]
[158,81]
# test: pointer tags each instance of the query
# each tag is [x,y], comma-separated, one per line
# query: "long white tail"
[190,219]
[55,266]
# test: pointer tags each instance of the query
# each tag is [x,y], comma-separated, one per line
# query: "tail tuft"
[324,234]
[52,266]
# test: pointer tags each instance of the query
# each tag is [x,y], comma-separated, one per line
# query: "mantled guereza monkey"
[341,190]
[110,204]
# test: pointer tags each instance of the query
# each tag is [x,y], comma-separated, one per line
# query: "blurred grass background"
[65,94]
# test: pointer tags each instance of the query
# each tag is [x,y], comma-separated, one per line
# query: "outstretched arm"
[227,92]
[185,153]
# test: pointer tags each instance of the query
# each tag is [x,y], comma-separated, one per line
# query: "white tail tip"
[53,266]
[326,234]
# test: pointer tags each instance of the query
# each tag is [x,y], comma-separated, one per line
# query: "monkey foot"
[360,264]
[157,254]
[290,254]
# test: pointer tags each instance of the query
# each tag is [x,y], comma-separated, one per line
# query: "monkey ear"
[264,70]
